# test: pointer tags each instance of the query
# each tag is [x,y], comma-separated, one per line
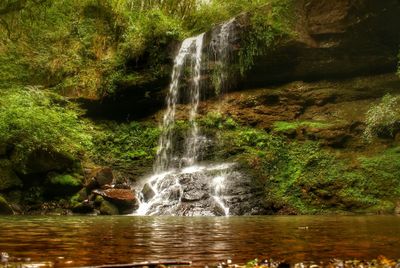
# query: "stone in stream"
[124,199]
[147,192]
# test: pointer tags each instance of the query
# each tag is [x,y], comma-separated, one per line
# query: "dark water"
[83,241]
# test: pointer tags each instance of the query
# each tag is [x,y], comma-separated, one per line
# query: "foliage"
[65,180]
[217,121]
[84,47]
[382,118]
[281,126]
[123,143]
[32,119]
[303,178]
[265,31]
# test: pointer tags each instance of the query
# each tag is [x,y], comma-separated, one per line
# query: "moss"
[282,126]
[266,31]
[61,185]
[107,208]
[124,144]
[303,178]
[65,180]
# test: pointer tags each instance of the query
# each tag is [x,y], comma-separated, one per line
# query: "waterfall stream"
[180,186]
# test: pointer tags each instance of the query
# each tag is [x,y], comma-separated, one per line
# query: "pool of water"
[84,241]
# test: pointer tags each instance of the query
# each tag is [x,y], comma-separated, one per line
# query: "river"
[94,240]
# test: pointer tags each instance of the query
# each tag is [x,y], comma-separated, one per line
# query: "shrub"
[382,118]
[32,119]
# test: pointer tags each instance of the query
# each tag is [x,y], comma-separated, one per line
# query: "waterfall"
[179,185]
[190,49]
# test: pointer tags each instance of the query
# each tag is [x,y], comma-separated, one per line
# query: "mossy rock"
[107,208]
[43,162]
[8,178]
[5,208]
[62,185]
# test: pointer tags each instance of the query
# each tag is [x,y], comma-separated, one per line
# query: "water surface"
[83,241]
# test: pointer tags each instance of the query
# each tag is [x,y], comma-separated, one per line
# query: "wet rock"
[125,200]
[84,208]
[108,208]
[122,186]
[148,192]
[5,208]
[198,193]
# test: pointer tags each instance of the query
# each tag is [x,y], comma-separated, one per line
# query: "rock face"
[331,112]
[333,39]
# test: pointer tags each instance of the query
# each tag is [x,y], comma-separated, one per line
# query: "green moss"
[282,126]
[125,143]
[65,180]
[108,208]
[303,178]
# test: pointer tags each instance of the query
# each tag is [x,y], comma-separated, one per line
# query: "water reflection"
[79,241]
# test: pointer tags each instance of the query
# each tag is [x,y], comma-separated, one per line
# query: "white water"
[169,184]
[165,151]
[221,49]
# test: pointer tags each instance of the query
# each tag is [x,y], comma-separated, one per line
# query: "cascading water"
[165,152]
[179,186]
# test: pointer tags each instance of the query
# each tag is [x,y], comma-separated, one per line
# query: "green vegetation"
[303,178]
[65,180]
[383,118]
[125,143]
[36,120]
[90,48]
[282,126]
[265,31]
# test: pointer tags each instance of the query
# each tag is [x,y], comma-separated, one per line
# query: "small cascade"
[179,185]
[221,50]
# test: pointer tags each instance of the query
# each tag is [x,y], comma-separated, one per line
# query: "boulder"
[5,208]
[41,161]
[108,208]
[99,177]
[8,178]
[148,192]
[84,207]
[124,199]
